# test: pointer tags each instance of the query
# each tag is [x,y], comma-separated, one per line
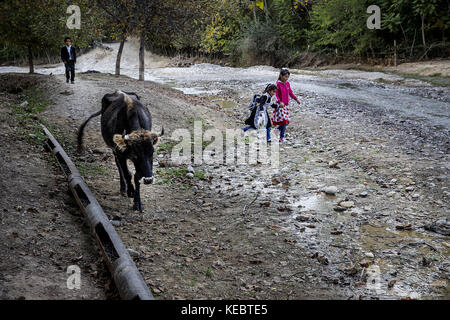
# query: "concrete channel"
[128,280]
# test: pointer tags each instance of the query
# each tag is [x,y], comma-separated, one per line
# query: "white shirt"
[70,54]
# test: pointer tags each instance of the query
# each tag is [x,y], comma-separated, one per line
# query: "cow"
[126,128]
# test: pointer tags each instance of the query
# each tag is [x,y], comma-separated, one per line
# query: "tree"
[27,24]
[425,9]
[222,24]
[119,22]
[156,20]
[401,18]
[41,24]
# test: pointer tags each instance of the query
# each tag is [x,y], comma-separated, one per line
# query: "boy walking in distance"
[69,57]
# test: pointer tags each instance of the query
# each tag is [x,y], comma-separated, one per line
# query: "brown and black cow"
[126,128]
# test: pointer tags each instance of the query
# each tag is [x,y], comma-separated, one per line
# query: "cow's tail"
[81,129]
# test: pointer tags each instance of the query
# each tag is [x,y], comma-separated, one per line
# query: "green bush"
[259,43]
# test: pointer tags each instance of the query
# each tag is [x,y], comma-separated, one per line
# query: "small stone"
[347,204]
[393,272]
[391,194]
[363,194]
[116,216]
[115,223]
[24,104]
[391,284]
[218,263]
[410,188]
[156,290]
[365,263]
[333,164]
[133,253]
[369,255]
[426,262]
[331,190]
[302,218]
[190,169]
[98,151]
[190,175]
[416,196]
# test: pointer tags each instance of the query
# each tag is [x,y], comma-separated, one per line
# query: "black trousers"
[70,70]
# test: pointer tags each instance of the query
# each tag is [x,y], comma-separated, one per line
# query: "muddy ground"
[208,238]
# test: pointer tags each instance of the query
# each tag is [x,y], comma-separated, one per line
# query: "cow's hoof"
[139,208]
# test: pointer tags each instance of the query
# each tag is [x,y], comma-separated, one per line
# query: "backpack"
[255,101]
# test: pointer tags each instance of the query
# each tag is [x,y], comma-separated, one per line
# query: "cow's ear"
[119,142]
[155,139]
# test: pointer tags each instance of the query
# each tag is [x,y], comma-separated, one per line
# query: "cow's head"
[138,146]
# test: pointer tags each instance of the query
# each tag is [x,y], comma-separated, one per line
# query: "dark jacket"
[65,54]
[262,101]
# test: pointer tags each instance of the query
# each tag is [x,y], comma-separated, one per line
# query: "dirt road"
[294,241]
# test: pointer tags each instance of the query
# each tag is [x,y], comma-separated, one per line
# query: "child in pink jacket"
[282,115]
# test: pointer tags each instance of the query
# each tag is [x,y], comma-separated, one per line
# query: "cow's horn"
[162,132]
[126,137]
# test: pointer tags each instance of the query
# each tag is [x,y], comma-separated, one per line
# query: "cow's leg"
[137,196]
[127,177]
[123,185]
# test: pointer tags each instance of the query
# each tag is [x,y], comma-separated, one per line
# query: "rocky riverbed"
[357,209]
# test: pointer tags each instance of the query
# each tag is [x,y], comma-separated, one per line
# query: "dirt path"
[42,232]
[293,242]
[192,244]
